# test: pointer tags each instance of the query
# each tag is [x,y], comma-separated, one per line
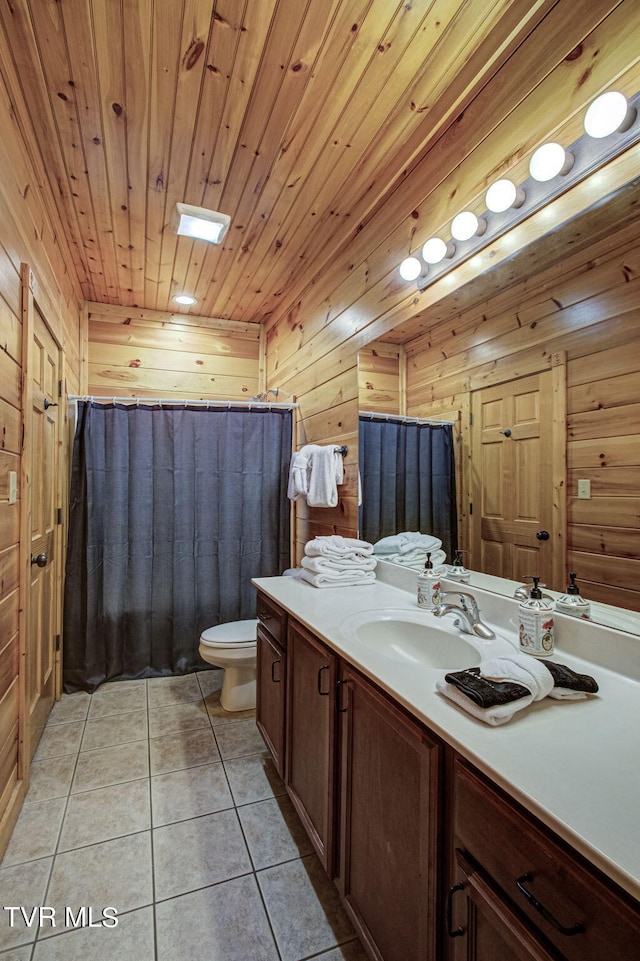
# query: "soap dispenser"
[429,586]
[535,627]
[572,602]
[457,571]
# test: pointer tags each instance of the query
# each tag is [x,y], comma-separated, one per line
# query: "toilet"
[233,646]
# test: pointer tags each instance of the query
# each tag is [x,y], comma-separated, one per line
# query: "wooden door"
[310,748]
[42,458]
[517,478]
[389,789]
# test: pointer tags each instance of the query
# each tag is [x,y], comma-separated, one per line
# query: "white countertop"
[573,764]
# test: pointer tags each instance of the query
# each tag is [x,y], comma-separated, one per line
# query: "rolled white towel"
[345,579]
[518,669]
[334,545]
[322,565]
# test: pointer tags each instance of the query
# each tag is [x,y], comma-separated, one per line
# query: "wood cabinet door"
[310,742]
[482,926]
[517,492]
[270,700]
[389,813]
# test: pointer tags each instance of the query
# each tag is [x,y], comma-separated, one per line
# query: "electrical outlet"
[13,487]
[584,490]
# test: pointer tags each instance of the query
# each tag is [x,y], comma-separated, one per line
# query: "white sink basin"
[413,638]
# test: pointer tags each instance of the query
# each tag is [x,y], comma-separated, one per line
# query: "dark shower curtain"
[408,479]
[172,512]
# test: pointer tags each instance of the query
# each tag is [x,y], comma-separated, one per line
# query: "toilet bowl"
[233,646]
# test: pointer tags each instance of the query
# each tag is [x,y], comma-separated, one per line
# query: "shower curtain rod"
[181,403]
[405,420]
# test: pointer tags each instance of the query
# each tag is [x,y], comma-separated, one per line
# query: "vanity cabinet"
[518,880]
[271,678]
[388,825]
[311,738]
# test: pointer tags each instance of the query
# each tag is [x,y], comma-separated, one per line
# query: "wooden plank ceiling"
[295,117]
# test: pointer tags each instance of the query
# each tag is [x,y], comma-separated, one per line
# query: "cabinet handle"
[576,928]
[276,680]
[264,616]
[450,931]
[325,667]
[341,710]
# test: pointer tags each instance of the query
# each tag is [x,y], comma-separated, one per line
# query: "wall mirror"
[536,363]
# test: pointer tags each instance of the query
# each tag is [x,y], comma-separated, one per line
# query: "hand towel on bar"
[334,545]
[326,472]
[298,476]
[406,541]
[353,578]
[322,565]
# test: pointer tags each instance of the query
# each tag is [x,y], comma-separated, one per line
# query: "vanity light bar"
[554,169]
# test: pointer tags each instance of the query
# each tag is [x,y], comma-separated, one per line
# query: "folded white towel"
[415,560]
[518,668]
[334,545]
[344,579]
[322,565]
[406,541]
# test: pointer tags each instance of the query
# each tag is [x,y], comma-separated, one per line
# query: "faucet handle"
[467,601]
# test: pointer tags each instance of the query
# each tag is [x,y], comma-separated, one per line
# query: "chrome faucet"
[466,613]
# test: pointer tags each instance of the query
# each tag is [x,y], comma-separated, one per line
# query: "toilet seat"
[233,635]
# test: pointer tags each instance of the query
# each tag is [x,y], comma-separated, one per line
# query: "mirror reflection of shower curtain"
[407,470]
[172,512]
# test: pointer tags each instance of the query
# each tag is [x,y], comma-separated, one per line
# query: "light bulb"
[503,194]
[434,250]
[410,268]
[465,226]
[607,113]
[549,161]
[185,299]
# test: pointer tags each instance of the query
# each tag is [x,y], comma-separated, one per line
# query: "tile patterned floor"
[149,798]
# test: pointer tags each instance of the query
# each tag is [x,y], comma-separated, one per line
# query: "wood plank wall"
[29,234]
[589,306]
[353,295]
[150,353]
[381,378]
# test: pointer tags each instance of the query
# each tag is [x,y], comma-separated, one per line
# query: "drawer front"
[273,618]
[569,904]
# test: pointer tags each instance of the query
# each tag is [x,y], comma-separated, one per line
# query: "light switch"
[584,490]
[13,487]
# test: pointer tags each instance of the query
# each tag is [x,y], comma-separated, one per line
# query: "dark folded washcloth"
[486,693]
[565,677]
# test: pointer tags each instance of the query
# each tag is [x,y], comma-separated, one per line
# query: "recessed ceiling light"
[186,299]
[200,223]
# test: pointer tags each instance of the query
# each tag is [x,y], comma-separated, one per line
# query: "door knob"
[48,404]
[506,432]
[39,559]
[542,535]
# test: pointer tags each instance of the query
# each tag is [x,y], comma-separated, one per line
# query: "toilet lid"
[231,634]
